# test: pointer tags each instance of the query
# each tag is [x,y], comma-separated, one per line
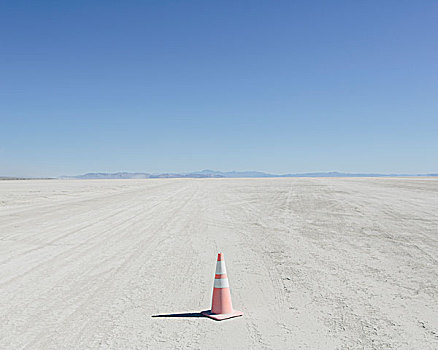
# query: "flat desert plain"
[327,263]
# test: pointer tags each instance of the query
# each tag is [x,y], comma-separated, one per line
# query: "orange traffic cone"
[221,307]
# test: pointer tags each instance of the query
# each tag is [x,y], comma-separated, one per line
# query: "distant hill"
[207,173]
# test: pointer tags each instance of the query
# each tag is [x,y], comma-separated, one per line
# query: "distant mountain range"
[227,174]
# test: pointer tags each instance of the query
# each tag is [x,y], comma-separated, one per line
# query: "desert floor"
[335,263]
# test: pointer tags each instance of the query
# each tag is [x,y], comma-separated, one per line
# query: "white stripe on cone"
[221,283]
[220,268]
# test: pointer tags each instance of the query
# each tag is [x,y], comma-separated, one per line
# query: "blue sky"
[277,86]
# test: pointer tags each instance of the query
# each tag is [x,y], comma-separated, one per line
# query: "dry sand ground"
[313,263]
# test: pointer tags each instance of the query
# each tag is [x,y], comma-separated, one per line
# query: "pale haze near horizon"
[177,87]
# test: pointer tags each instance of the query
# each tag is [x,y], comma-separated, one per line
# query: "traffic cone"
[221,307]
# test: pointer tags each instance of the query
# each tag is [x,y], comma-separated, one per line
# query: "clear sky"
[277,86]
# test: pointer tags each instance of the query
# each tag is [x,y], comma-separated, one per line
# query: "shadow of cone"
[221,306]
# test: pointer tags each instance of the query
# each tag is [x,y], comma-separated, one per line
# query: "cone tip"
[220,257]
